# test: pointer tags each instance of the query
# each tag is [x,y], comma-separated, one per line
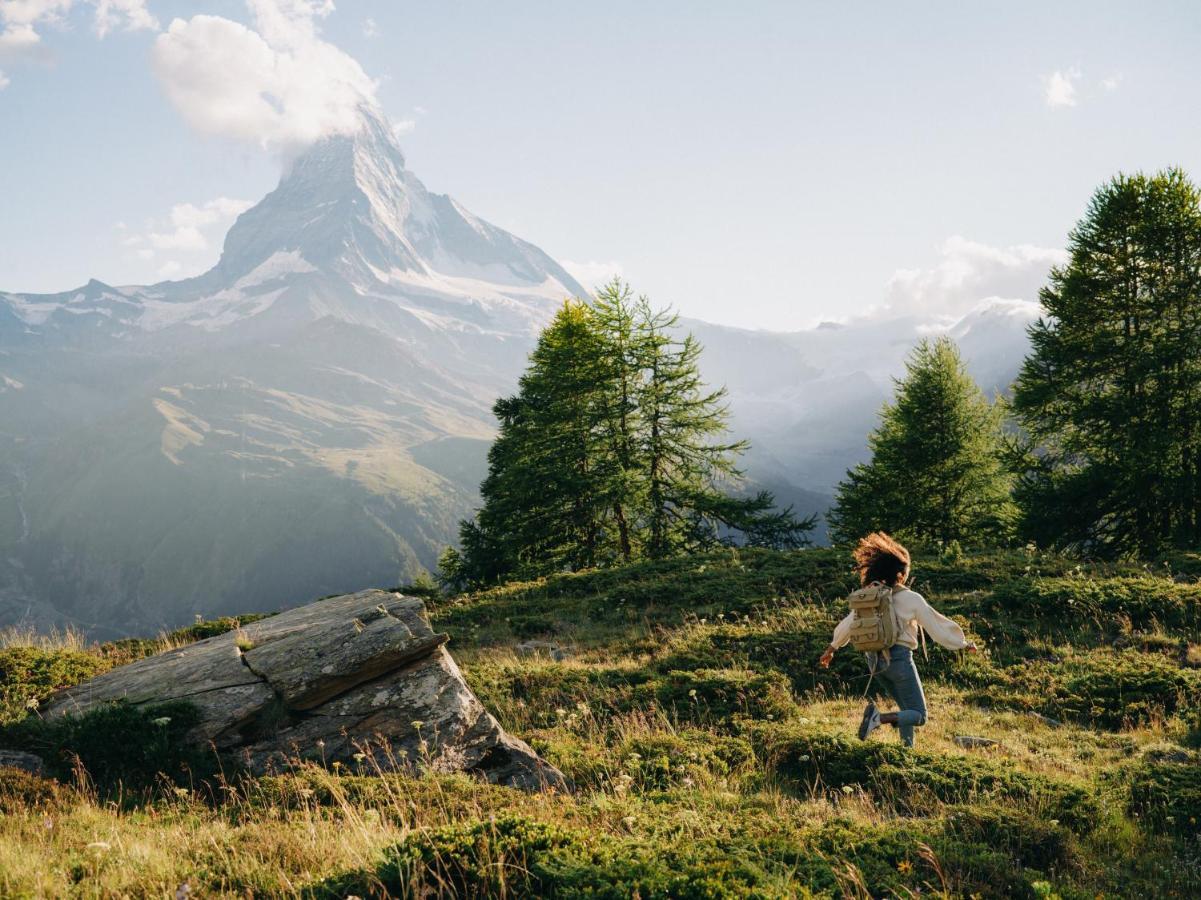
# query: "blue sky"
[765,164]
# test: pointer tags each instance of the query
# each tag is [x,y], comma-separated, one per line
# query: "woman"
[881,560]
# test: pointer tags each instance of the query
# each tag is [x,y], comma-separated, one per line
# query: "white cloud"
[967,274]
[401,127]
[132,15]
[20,21]
[1111,82]
[592,274]
[279,86]
[1059,88]
[169,268]
[186,233]
[4,81]
[370,28]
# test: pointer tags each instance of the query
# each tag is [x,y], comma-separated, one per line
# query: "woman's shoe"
[871,721]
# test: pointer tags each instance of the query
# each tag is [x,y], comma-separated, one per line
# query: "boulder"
[361,680]
[973,742]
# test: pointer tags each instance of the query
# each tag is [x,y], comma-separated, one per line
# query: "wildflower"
[847,789]
[904,867]
[337,764]
[181,792]
[359,757]
[805,758]
[31,703]
[692,693]
[320,743]
[163,721]
[417,723]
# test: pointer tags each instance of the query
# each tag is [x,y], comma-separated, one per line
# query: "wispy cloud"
[186,236]
[1059,88]
[1112,82]
[370,28]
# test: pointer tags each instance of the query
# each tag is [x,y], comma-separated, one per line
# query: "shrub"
[901,777]
[28,675]
[118,745]
[519,857]
[721,695]
[21,791]
[1107,690]
[1145,601]
[1167,796]
[1034,841]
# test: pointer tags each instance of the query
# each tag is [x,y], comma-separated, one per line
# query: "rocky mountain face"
[311,416]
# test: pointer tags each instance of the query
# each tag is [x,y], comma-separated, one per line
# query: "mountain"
[311,416]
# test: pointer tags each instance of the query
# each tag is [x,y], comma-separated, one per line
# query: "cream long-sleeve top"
[911,610]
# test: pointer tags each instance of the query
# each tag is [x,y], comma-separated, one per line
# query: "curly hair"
[880,558]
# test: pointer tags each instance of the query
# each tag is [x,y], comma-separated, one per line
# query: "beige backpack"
[874,628]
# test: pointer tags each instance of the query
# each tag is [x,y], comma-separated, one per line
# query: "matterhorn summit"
[308,416]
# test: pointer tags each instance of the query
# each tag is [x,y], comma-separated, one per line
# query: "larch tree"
[936,472]
[1110,395]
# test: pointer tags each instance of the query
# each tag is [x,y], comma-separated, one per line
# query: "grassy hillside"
[710,757]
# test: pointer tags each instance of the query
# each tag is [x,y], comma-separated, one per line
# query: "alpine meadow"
[353,546]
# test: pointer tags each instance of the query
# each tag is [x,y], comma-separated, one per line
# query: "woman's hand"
[826,657]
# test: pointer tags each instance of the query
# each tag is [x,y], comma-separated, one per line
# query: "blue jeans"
[902,681]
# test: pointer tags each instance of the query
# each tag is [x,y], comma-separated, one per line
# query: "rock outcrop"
[361,679]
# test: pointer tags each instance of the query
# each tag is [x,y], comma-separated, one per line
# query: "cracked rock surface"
[360,679]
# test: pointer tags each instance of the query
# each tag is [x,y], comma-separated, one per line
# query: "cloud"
[1059,88]
[186,233]
[20,21]
[132,15]
[592,274]
[278,85]
[1111,83]
[370,28]
[967,274]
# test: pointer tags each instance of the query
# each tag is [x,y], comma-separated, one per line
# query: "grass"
[710,757]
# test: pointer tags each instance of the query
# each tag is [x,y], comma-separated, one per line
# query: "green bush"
[1055,603]
[718,696]
[29,675]
[1035,841]
[519,857]
[546,689]
[120,747]
[1167,796]
[1102,689]
[905,779]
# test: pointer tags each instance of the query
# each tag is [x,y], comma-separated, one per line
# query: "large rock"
[360,679]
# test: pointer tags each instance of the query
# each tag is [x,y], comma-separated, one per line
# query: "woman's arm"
[943,630]
[842,633]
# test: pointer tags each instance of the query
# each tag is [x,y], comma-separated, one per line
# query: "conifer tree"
[545,491]
[936,471]
[613,449]
[1110,395]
